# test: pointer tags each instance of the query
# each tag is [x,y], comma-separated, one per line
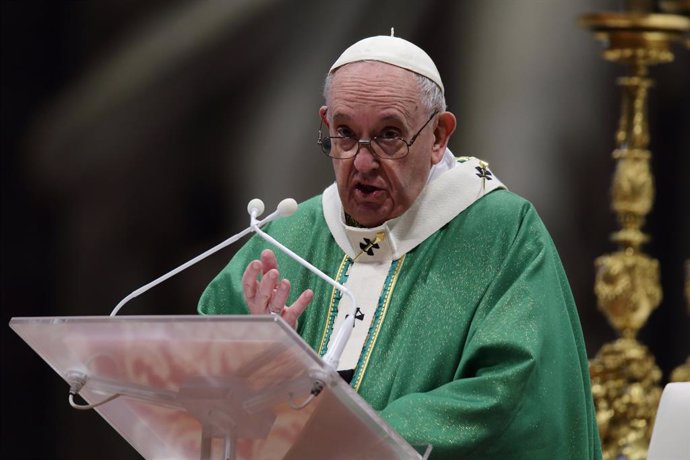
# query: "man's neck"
[351,222]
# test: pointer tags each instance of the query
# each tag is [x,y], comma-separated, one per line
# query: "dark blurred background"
[134,133]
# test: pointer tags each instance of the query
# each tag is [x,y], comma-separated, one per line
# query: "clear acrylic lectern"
[212,387]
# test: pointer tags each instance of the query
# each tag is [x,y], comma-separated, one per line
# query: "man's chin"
[368,216]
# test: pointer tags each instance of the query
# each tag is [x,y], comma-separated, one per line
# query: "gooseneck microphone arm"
[255,209]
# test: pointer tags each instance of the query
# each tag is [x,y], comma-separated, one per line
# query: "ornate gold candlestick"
[625,377]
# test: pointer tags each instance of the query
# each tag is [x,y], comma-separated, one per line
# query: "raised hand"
[264,291]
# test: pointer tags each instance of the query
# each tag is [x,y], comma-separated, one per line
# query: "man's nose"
[365,160]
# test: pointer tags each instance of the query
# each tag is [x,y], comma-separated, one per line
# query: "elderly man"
[467,336]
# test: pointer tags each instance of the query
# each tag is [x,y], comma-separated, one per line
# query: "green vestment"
[475,347]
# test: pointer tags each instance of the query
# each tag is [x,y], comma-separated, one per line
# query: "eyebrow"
[340,116]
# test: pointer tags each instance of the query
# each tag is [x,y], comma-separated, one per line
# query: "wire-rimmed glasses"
[383,146]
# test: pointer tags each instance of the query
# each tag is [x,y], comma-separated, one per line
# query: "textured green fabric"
[480,353]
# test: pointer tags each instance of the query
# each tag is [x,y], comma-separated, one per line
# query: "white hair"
[431,96]
[430,93]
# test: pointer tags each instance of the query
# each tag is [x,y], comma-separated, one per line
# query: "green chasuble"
[475,344]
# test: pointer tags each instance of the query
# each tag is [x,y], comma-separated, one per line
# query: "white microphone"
[285,208]
[335,351]
[255,208]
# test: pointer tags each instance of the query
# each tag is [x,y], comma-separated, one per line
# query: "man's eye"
[345,132]
[389,134]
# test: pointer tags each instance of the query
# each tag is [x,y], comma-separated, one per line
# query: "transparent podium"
[212,387]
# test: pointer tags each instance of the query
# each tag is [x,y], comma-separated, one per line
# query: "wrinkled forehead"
[374,72]
[373,85]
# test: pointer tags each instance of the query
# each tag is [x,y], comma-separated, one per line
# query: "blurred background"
[134,133]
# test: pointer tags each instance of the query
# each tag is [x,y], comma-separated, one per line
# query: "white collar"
[453,185]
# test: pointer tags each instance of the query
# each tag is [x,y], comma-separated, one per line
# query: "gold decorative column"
[625,377]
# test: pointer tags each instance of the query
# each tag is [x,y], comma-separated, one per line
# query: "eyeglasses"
[387,147]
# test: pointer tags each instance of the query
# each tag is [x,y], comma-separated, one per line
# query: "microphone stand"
[255,208]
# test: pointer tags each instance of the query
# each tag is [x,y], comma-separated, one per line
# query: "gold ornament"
[625,387]
[625,378]
[627,288]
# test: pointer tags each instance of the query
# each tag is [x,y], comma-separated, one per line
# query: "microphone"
[255,208]
[287,207]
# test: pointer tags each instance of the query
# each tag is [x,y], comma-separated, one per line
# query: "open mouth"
[368,191]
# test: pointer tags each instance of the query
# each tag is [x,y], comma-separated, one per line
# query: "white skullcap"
[391,50]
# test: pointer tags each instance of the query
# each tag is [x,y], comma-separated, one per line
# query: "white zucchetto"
[391,50]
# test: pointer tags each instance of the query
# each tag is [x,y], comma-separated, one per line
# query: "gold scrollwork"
[627,289]
[633,184]
[625,386]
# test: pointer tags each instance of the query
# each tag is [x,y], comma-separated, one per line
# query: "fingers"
[249,283]
[268,260]
[291,313]
[280,296]
[265,291]
[258,293]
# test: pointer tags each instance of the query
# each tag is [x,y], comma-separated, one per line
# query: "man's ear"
[444,128]
[323,114]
